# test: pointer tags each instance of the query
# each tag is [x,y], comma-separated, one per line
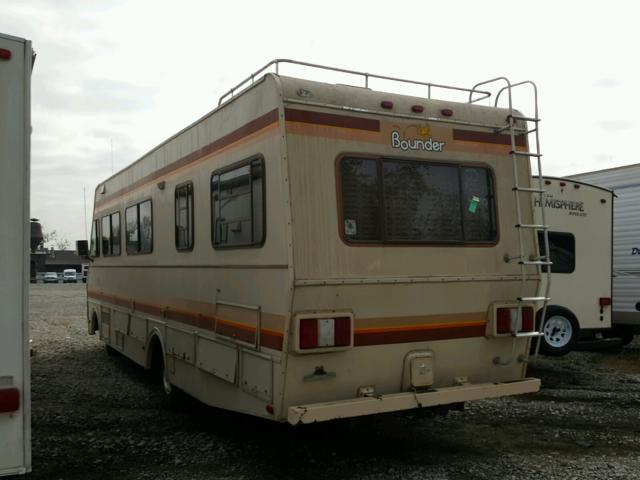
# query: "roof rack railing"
[482,94]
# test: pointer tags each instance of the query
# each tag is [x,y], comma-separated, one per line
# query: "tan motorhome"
[580,218]
[310,251]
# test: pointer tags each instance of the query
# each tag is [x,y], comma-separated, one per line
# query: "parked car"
[50,277]
[69,276]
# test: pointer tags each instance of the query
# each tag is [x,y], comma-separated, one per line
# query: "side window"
[139,228]
[111,234]
[237,200]
[131,220]
[562,249]
[94,249]
[115,233]
[106,235]
[146,227]
[184,217]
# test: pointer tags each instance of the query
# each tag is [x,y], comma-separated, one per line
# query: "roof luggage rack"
[481,94]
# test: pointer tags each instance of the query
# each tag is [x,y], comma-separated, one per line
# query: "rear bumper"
[320,412]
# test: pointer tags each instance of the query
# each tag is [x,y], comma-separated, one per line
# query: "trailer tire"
[561,331]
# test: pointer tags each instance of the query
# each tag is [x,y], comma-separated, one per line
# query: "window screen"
[139,228]
[395,201]
[184,217]
[237,199]
[562,249]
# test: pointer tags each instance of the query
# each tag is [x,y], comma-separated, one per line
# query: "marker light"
[446,112]
[605,301]
[9,400]
[386,104]
[417,108]
[5,54]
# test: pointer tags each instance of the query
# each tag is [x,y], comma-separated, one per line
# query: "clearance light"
[5,54]
[507,320]
[605,301]
[562,184]
[9,400]
[325,332]
[386,104]
[446,112]
[547,182]
[417,109]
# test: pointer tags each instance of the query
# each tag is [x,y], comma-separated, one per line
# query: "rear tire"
[561,331]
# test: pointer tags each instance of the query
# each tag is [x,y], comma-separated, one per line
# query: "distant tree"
[53,240]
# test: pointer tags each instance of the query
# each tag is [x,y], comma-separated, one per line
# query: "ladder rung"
[527,334]
[533,299]
[534,262]
[525,154]
[527,189]
[537,227]
[526,119]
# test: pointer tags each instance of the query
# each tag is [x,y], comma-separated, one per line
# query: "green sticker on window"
[473,205]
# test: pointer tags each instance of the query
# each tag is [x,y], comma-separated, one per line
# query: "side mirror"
[82,249]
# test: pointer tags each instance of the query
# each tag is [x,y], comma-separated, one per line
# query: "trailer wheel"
[561,330]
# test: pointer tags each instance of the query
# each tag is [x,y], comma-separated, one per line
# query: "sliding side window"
[402,201]
[111,234]
[139,228]
[237,201]
[184,217]
[94,249]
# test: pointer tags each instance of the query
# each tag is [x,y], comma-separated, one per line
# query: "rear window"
[405,201]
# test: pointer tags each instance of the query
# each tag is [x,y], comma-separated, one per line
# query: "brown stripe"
[246,130]
[268,338]
[362,339]
[231,331]
[331,119]
[271,340]
[488,137]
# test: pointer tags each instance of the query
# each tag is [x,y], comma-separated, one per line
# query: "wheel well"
[94,322]
[155,356]
[558,309]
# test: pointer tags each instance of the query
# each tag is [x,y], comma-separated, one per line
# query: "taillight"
[605,301]
[308,333]
[507,320]
[5,54]
[9,400]
[325,332]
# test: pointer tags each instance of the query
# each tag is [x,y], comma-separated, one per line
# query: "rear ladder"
[514,121]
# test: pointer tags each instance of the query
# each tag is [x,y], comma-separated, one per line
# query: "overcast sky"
[132,73]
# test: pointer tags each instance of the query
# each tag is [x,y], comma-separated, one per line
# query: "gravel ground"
[102,417]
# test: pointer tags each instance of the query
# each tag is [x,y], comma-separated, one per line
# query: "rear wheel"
[560,330]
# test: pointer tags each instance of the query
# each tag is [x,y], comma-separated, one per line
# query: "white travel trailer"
[580,218]
[310,251]
[625,183]
[16,60]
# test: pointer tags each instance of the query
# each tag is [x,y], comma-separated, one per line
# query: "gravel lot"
[102,417]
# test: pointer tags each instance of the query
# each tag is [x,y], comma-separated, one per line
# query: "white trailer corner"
[16,61]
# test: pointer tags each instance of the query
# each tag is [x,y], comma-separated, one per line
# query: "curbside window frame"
[188,189]
[257,241]
[135,248]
